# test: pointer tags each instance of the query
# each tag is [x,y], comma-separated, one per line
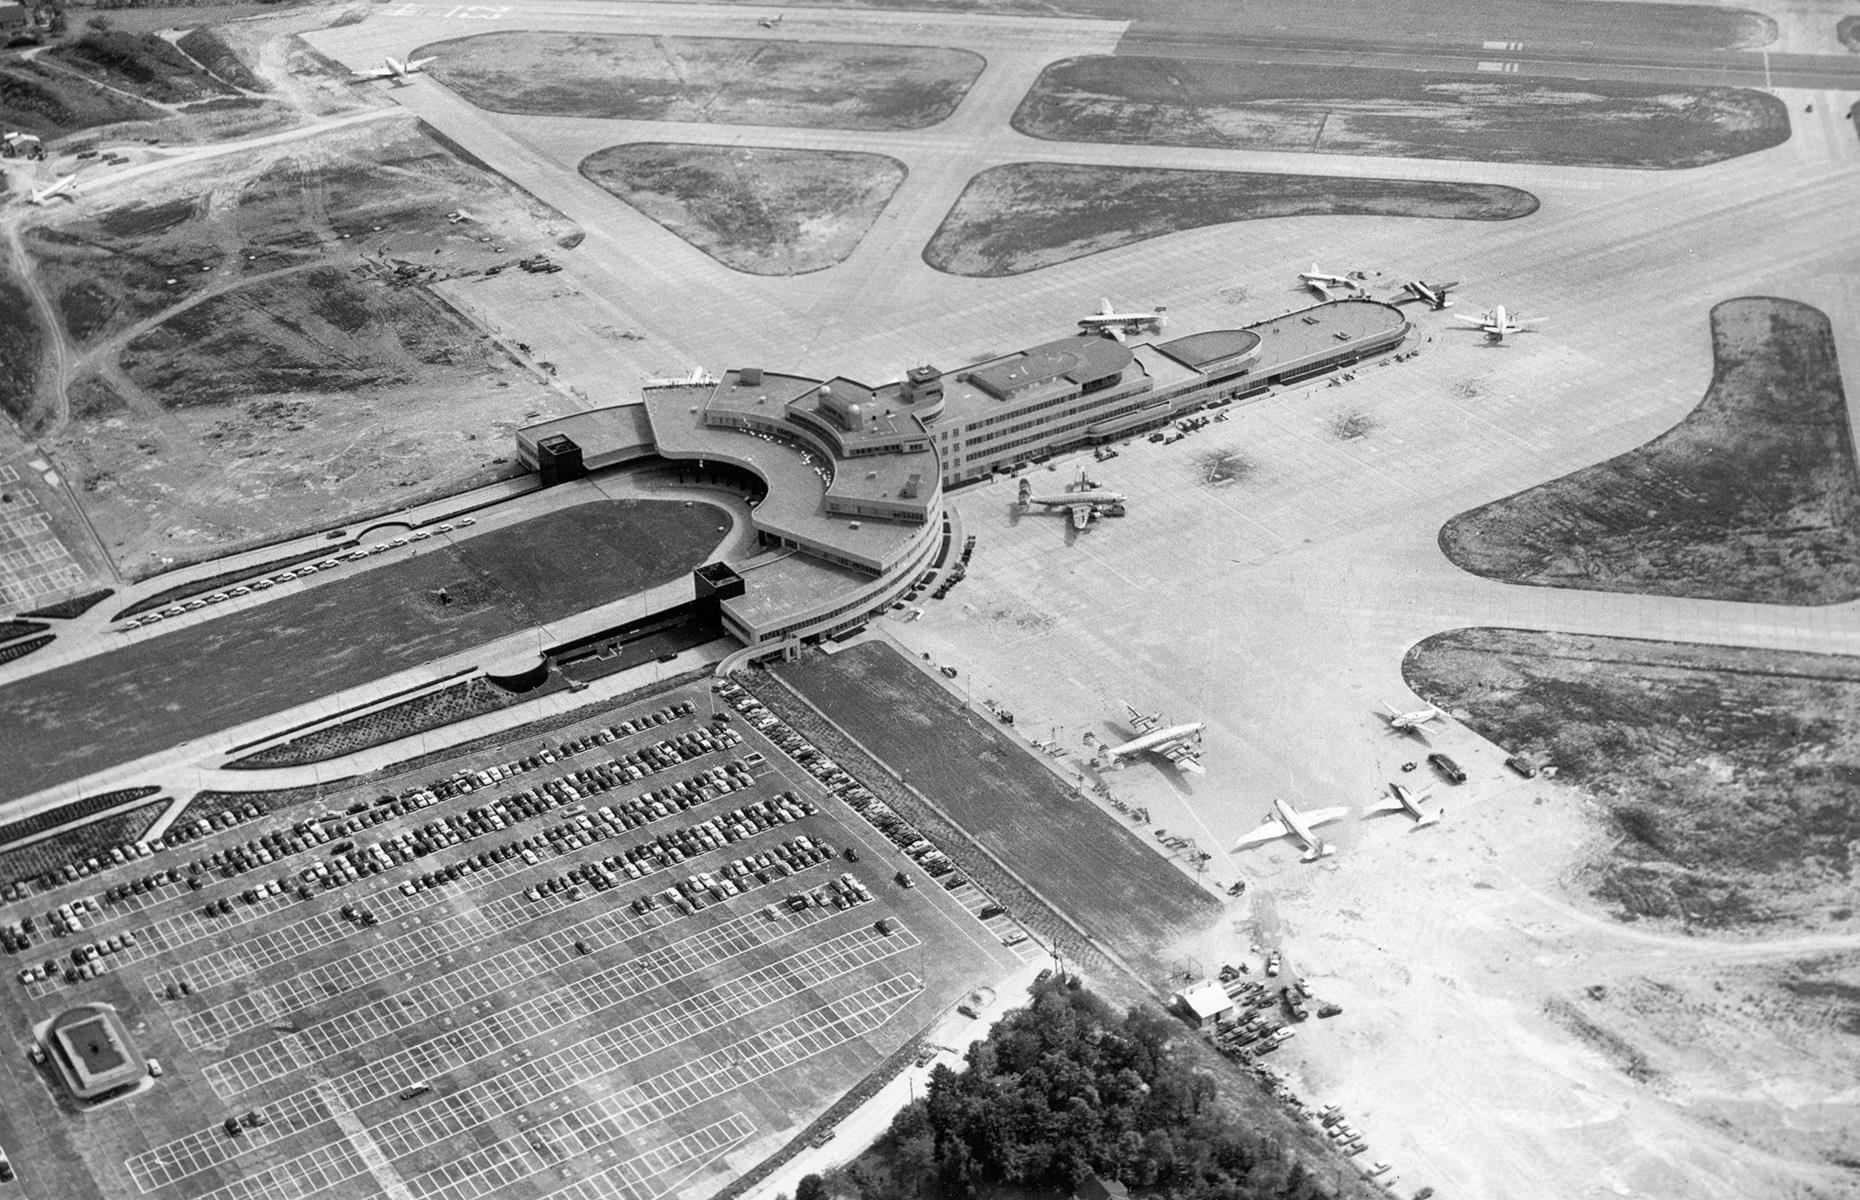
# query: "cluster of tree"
[1064,1089]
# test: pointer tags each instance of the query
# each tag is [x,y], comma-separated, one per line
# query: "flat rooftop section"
[1207,351]
[795,504]
[1086,356]
[768,395]
[1162,369]
[1322,329]
[93,1044]
[788,583]
[1074,360]
[621,429]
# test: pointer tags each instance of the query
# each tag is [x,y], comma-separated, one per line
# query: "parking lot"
[655,944]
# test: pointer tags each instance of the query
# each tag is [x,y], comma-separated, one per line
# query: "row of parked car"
[290,575]
[857,797]
[350,862]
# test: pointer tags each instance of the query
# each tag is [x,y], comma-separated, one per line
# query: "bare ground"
[264,353]
[1024,216]
[1728,775]
[756,209]
[728,81]
[1754,496]
[1407,114]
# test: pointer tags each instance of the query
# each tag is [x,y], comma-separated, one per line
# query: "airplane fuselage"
[1156,739]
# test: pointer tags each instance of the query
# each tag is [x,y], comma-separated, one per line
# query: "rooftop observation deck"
[605,435]
[794,509]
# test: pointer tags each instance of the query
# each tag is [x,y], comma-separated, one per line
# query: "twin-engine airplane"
[1121,325]
[1294,824]
[1177,743]
[1325,284]
[1410,722]
[397,70]
[1496,323]
[1403,800]
[1434,295]
[62,188]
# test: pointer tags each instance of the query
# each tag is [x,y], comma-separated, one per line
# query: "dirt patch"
[1754,496]
[1024,216]
[1848,30]
[753,208]
[1408,114]
[1131,898]
[1351,424]
[278,358]
[1728,774]
[725,81]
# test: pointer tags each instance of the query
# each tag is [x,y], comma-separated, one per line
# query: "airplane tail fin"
[1321,850]
[1026,494]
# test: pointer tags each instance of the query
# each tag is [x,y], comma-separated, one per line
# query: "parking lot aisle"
[585,1129]
[362,1143]
[185,928]
[263,1006]
[446,1051]
[470,984]
[657,1172]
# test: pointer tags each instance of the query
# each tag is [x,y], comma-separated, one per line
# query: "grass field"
[1407,114]
[145,65]
[559,1038]
[44,100]
[722,81]
[96,837]
[1754,496]
[1024,216]
[21,343]
[457,702]
[319,640]
[755,209]
[1728,774]
[1069,851]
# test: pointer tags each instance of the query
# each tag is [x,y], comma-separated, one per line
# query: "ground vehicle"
[155,1067]
[904,879]
[1522,766]
[1446,766]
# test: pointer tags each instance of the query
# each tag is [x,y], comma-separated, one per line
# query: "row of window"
[1073,394]
[873,597]
[1093,407]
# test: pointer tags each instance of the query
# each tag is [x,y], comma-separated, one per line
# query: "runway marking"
[1511,47]
[1504,67]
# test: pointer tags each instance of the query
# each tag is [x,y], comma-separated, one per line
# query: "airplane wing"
[1318,286]
[1386,804]
[1183,756]
[1081,515]
[417,63]
[377,73]
[1483,321]
[1322,816]
[1265,833]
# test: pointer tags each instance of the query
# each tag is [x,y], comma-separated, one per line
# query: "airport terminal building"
[849,477]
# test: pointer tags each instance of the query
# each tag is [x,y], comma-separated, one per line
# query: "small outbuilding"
[91,1049]
[14,16]
[1204,1004]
